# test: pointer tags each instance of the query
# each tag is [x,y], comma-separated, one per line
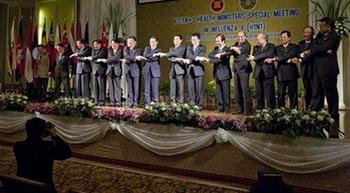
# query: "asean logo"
[217,6]
[247,4]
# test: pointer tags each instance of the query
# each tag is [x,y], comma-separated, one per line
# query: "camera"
[48,126]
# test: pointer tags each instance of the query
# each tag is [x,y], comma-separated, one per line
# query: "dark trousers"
[151,88]
[292,87]
[114,89]
[58,81]
[265,90]
[242,95]
[325,86]
[82,85]
[99,83]
[223,95]
[307,82]
[177,88]
[195,89]
[41,88]
[133,90]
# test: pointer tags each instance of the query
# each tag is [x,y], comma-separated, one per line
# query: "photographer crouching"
[35,155]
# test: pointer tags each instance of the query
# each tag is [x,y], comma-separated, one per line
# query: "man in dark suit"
[242,68]
[114,73]
[83,69]
[264,72]
[324,50]
[195,55]
[306,63]
[132,57]
[99,71]
[62,71]
[222,72]
[287,71]
[35,156]
[177,73]
[151,71]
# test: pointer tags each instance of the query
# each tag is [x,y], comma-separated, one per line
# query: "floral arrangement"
[16,102]
[337,10]
[171,113]
[291,122]
[44,108]
[74,107]
[214,122]
[118,114]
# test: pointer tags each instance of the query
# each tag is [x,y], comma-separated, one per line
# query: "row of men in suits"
[317,56]
[319,69]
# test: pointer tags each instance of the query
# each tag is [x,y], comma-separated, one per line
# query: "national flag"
[71,38]
[57,38]
[51,38]
[13,46]
[78,34]
[28,71]
[103,35]
[64,38]
[20,51]
[110,36]
[43,35]
[86,33]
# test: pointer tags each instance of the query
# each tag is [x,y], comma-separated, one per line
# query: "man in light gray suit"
[151,71]
[195,55]
[132,57]
[99,71]
[114,73]
[83,69]
[220,56]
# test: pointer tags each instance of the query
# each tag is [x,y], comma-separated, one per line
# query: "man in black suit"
[62,71]
[99,71]
[222,73]
[177,73]
[306,63]
[151,71]
[264,72]
[114,73]
[242,68]
[195,55]
[35,156]
[83,69]
[132,57]
[287,71]
[324,50]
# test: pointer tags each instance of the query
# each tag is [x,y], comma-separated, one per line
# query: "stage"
[221,162]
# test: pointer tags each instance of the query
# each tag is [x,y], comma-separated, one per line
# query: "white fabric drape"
[12,122]
[78,130]
[302,155]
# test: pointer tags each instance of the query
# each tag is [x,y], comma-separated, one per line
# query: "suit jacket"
[152,64]
[326,63]
[198,67]
[131,63]
[286,70]
[35,158]
[221,70]
[41,69]
[307,63]
[241,62]
[83,65]
[99,67]
[113,63]
[177,67]
[63,66]
[262,69]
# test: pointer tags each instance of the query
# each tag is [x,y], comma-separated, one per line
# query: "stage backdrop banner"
[211,17]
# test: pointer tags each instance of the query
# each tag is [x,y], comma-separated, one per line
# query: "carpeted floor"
[96,178]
